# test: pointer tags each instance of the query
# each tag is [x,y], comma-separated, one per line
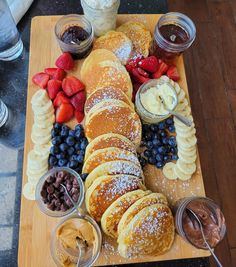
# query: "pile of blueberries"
[159,143]
[68,148]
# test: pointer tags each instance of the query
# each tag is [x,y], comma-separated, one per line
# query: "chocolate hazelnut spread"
[212,221]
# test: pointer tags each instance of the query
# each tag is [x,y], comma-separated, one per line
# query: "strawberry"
[137,77]
[149,64]
[71,85]
[41,79]
[55,73]
[78,100]
[54,86]
[172,73]
[135,90]
[163,67]
[65,61]
[64,112]
[50,71]
[61,98]
[79,115]
[133,63]
[143,72]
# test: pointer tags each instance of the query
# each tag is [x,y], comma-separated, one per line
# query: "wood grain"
[35,227]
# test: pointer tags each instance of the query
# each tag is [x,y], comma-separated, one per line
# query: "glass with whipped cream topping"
[209,214]
[77,237]
[102,14]
[152,100]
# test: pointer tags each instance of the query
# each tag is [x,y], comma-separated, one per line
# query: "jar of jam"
[75,35]
[174,33]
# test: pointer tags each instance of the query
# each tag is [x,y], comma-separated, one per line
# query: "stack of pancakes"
[115,192]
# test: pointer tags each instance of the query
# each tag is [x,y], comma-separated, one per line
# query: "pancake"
[151,232]
[111,217]
[108,154]
[113,167]
[116,42]
[114,119]
[139,35]
[105,93]
[146,201]
[106,189]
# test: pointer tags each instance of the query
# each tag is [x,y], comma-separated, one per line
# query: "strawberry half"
[149,64]
[54,87]
[172,73]
[61,98]
[143,72]
[79,115]
[78,101]
[163,67]
[41,79]
[55,73]
[133,63]
[64,113]
[50,71]
[71,85]
[137,77]
[65,61]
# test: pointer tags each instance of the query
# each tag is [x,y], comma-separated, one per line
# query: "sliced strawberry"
[172,73]
[133,63]
[71,85]
[138,78]
[149,64]
[61,98]
[64,113]
[78,101]
[143,72]
[54,87]
[79,115]
[50,71]
[65,61]
[162,69]
[59,74]
[41,79]
[136,86]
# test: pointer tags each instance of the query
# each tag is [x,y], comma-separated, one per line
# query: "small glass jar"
[82,49]
[174,33]
[146,115]
[194,237]
[103,20]
[64,247]
[43,207]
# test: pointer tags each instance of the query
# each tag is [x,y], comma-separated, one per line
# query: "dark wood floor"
[211,74]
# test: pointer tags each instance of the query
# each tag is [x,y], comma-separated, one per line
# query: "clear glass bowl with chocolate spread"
[209,214]
[174,33]
[75,35]
[51,196]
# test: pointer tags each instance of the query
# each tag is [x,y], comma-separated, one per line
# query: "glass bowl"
[43,207]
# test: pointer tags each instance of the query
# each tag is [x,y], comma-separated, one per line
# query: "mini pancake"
[106,189]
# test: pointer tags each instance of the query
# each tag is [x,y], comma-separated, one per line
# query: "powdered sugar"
[100,4]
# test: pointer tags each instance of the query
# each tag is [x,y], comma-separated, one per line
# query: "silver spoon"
[68,195]
[181,118]
[204,238]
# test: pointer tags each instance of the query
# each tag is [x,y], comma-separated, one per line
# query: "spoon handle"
[213,254]
[181,118]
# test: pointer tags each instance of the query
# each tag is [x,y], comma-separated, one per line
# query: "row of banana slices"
[37,160]
[186,139]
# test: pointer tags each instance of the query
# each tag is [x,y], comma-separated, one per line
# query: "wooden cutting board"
[36,227]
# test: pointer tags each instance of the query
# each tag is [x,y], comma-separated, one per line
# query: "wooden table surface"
[212,89]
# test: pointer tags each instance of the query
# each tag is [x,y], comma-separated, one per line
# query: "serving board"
[36,227]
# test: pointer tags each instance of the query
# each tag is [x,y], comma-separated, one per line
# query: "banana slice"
[186,112]
[181,95]
[36,172]
[42,150]
[29,191]
[46,123]
[33,180]
[186,158]
[184,129]
[189,152]
[40,132]
[36,162]
[43,117]
[177,87]
[40,141]
[179,123]
[182,105]
[40,110]
[185,167]
[40,98]
[186,134]
[168,171]
[186,142]
[180,174]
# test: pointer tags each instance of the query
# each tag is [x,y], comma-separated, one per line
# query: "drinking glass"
[3,113]
[11,45]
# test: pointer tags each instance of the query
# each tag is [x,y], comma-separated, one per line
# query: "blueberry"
[149,144]
[172,141]
[174,157]
[56,140]
[84,176]
[57,126]
[74,157]
[64,132]
[147,153]
[156,142]
[54,133]
[143,143]
[163,133]
[147,136]
[81,152]
[83,144]
[79,168]
[63,147]
[143,161]
[154,151]
[154,127]
[80,158]
[73,164]
[166,158]
[162,125]
[54,150]
[62,155]
[77,146]
[64,127]
[170,121]
[173,150]
[159,157]
[165,140]
[171,128]
[62,162]
[159,164]
[71,133]
[70,151]
[145,127]
[162,150]
[52,161]
[70,140]
[152,160]
[79,127]
[156,136]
